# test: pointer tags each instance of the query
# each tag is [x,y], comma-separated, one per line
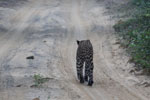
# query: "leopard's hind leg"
[86,75]
[89,72]
[79,65]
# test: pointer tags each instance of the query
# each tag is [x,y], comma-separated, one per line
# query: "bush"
[136,32]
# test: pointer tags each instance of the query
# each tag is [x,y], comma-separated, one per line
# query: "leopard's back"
[85,50]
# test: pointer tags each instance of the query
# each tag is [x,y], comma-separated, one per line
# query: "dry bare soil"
[48,30]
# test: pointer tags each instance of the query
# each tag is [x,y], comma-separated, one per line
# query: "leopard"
[84,61]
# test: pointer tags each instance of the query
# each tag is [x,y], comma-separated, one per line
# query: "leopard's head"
[82,41]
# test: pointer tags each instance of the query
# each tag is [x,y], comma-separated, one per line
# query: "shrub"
[136,32]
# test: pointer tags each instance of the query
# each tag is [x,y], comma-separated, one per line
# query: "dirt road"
[48,30]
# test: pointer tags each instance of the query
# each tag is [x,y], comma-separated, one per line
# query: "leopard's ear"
[78,42]
[88,40]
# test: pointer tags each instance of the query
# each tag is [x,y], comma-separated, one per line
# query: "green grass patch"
[39,80]
[136,34]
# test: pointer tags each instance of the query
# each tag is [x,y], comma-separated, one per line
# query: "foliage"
[39,80]
[136,33]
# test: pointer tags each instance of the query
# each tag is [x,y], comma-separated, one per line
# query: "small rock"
[132,71]
[78,96]
[33,86]
[36,99]
[30,57]
[117,42]
[146,84]
[131,60]
[123,70]
[19,85]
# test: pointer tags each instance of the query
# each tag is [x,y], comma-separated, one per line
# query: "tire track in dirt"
[15,36]
[106,86]
[78,33]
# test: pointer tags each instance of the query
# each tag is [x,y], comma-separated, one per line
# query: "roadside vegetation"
[39,80]
[135,33]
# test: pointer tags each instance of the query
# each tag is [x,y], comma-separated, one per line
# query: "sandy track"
[60,23]
[15,36]
[108,83]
